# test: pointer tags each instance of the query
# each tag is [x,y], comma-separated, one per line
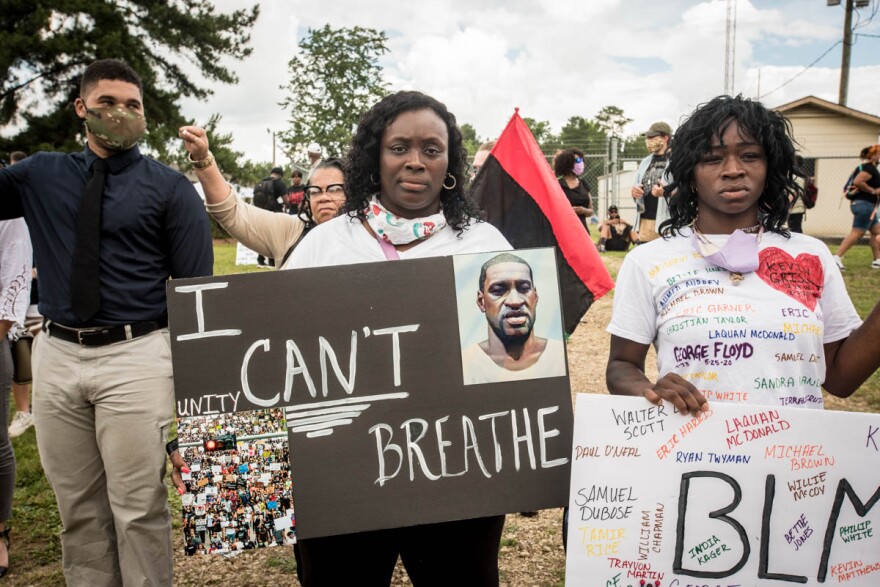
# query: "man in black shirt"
[109,227]
[269,195]
[650,181]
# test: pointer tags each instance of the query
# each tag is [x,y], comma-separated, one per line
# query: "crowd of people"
[718,192]
[234,496]
[198,428]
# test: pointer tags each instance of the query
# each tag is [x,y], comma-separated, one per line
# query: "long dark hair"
[363,157]
[694,138]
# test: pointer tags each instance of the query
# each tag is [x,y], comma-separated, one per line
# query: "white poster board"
[244,256]
[742,496]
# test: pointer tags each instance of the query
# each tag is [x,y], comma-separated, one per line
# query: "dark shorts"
[864,214]
[617,244]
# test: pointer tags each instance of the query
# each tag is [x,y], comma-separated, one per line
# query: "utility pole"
[847,50]
[614,179]
[272,132]
[730,48]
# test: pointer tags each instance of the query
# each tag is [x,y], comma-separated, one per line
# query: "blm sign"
[384,428]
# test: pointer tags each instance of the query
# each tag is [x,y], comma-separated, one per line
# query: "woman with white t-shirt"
[737,308]
[404,199]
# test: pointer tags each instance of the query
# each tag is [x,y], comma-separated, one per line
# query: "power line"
[859,24]
[801,72]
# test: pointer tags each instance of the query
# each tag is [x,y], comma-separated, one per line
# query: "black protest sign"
[367,360]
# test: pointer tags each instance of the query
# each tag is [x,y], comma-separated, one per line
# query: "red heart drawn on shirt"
[801,278]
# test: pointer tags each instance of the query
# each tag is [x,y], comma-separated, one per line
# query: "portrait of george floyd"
[509,316]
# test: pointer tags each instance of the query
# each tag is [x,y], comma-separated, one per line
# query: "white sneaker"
[20,423]
[875,264]
[839,263]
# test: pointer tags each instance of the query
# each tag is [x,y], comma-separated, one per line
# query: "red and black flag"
[518,194]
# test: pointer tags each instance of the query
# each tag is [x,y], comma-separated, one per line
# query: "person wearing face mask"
[648,190]
[728,290]
[109,227]
[569,166]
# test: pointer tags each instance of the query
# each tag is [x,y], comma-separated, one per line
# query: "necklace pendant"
[736,277]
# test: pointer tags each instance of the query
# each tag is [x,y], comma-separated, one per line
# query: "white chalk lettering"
[297,366]
[526,437]
[395,331]
[420,447]
[245,386]
[414,450]
[381,449]
[327,351]
[200,312]
[544,434]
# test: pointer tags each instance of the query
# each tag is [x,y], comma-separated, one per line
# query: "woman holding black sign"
[738,309]
[404,199]
[271,234]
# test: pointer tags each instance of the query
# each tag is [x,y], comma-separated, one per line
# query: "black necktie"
[85,285]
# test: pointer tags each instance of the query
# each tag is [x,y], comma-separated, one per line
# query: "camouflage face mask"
[655,144]
[115,128]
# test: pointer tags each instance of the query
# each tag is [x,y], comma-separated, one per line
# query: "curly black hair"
[563,164]
[694,138]
[304,211]
[363,158]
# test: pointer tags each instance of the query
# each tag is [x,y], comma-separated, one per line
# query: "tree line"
[335,76]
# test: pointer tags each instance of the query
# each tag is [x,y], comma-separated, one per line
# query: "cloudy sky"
[555,59]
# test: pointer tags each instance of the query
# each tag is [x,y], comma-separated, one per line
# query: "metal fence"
[611,180]
[611,183]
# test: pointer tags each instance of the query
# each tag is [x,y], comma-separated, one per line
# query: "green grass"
[36,547]
[507,541]
[863,285]
[224,260]
[285,563]
[35,556]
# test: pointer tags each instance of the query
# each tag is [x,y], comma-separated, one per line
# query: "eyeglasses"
[334,190]
[578,159]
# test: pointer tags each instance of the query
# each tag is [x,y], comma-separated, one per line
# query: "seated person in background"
[616,233]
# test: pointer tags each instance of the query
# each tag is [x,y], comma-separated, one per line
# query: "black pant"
[462,553]
[795,222]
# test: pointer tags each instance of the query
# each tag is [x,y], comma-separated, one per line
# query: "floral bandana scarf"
[400,231]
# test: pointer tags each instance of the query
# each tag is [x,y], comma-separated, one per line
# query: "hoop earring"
[374,181]
[454,182]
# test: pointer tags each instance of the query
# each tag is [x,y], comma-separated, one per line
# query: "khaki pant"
[647,230]
[102,415]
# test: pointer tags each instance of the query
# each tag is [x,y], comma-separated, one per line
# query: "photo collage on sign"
[238,489]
